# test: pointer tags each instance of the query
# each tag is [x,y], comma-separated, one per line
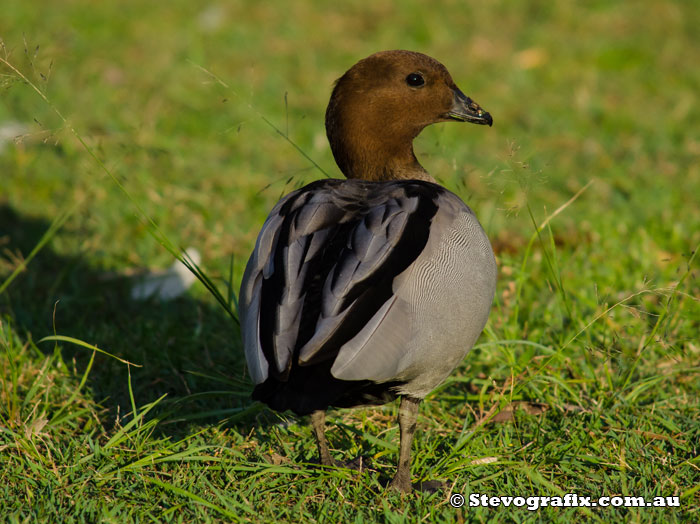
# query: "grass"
[587,378]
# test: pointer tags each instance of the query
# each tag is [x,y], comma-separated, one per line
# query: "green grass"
[589,366]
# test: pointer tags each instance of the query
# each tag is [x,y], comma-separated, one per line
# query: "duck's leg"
[318,421]
[408,413]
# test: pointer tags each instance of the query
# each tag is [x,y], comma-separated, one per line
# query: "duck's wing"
[323,269]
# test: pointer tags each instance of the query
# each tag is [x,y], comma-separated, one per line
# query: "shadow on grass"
[188,349]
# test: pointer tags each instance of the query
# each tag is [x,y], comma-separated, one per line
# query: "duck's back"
[358,291]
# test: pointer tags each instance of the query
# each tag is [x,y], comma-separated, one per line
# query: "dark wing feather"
[324,265]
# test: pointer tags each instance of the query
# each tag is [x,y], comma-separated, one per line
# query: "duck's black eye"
[415,80]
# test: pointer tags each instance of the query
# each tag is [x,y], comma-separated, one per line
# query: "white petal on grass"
[484,460]
[166,284]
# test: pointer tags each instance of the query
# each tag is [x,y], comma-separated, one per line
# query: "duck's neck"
[368,161]
[374,152]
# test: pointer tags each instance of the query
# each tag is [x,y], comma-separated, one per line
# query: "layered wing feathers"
[323,266]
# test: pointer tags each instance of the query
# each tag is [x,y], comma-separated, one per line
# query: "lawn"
[132,129]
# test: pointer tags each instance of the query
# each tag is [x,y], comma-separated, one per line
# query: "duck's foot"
[328,462]
[401,483]
[429,486]
[359,464]
[425,486]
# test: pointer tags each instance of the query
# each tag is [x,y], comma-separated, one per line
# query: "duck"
[374,287]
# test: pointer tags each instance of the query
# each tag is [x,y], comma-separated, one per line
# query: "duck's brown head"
[381,104]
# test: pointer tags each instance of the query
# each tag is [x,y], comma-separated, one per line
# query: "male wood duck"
[375,287]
